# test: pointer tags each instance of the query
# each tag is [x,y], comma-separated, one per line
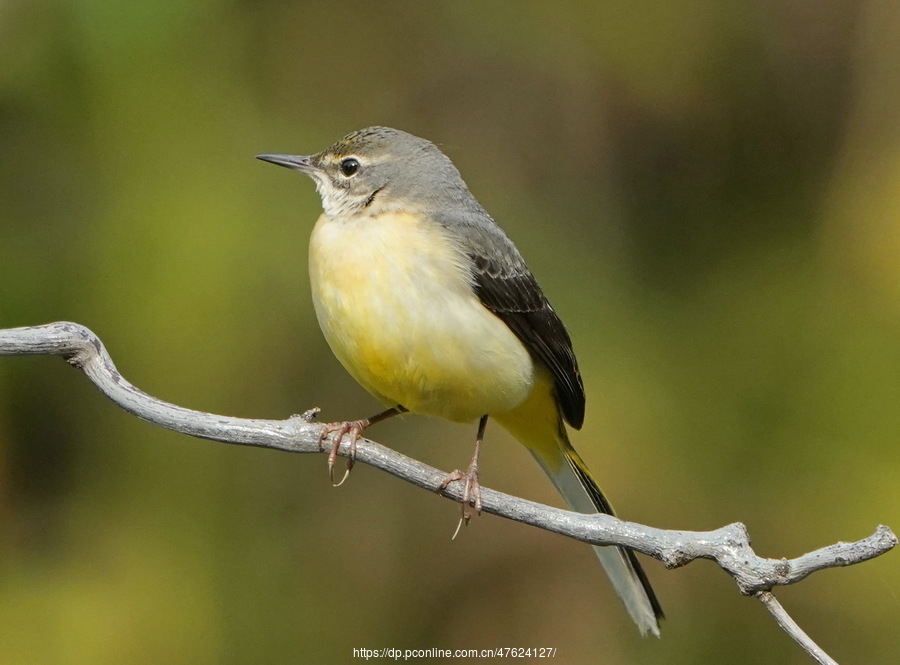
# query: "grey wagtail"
[431,308]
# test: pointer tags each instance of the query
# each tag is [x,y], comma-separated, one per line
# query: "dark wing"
[505,286]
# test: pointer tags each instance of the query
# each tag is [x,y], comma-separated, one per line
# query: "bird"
[429,305]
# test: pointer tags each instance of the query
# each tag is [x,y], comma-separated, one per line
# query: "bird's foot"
[349,428]
[353,429]
[471,499]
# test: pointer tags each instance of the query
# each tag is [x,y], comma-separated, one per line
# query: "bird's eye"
[349,166]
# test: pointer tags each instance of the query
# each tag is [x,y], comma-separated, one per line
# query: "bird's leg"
[472,488]
[353,429]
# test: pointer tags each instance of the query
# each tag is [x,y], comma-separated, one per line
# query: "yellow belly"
[394,301]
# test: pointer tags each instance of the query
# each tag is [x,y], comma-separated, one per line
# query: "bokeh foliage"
[708,192]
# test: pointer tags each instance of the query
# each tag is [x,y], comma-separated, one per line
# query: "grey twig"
[783,619]
[728,546]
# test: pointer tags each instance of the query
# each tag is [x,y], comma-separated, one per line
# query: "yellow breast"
[393,297]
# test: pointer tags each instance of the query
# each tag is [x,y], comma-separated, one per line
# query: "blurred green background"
[709,194]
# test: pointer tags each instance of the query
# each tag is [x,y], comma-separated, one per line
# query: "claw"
[458,527]
[471,498]
[343,478]
[351,428]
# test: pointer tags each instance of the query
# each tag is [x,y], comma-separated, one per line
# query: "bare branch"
[783,619]
[728,546]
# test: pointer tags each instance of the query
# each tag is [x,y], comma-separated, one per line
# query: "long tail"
[544,435]
[573,481]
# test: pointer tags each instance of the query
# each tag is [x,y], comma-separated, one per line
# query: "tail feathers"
[573,481]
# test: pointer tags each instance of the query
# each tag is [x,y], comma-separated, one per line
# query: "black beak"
[296,162]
